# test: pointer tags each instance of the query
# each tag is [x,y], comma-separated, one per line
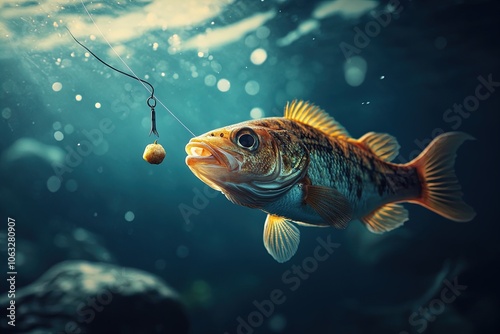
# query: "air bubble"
[129,216]
[56,125]
[210,80]
[6,113]
[252,87]
[58,135]
[256,113]
[53,184]
[69,129]
[258,56]
[56,86]
[223,85]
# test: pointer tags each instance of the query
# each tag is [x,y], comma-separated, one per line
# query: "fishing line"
[143,82]
[151,101]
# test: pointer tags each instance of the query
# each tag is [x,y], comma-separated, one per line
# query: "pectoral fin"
[330,204]
[281,238]
[386,218]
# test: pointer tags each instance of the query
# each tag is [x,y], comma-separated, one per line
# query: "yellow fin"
[330,204]
[314,116]
[281,238]
[385,146]
[386,218]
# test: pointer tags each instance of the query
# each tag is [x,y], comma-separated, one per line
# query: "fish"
[306,169]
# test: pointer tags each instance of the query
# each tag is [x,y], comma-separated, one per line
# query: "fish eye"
[246,138]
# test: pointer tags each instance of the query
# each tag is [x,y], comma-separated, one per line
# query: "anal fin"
[386,218]
[330,204]
[281,238]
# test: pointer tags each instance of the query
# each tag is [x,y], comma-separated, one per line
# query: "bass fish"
[305,169]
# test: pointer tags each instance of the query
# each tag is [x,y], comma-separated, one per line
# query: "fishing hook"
[151,101]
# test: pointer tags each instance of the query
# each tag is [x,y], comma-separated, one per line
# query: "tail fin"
[441,191]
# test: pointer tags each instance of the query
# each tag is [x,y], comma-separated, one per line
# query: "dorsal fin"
[384,146]
[314,116]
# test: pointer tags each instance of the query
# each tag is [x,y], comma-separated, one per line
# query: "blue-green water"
[73,133]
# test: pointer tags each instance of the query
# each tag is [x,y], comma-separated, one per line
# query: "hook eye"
[151,104]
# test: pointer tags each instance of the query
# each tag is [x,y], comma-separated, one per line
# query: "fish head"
[252,163]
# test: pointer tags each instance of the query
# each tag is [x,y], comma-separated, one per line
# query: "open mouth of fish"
[201,153]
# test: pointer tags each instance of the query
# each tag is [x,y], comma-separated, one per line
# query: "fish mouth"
[202,154]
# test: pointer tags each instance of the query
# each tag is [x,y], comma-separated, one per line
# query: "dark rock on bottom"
[86,297]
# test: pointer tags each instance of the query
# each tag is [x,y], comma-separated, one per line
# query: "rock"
[87,297]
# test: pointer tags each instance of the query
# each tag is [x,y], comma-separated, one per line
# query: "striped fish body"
[356,172]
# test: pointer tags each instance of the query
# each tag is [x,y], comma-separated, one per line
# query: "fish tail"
[441,191]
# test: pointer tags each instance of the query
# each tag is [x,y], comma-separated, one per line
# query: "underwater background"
[107,243]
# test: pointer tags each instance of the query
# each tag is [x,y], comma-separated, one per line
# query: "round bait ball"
[154,153]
